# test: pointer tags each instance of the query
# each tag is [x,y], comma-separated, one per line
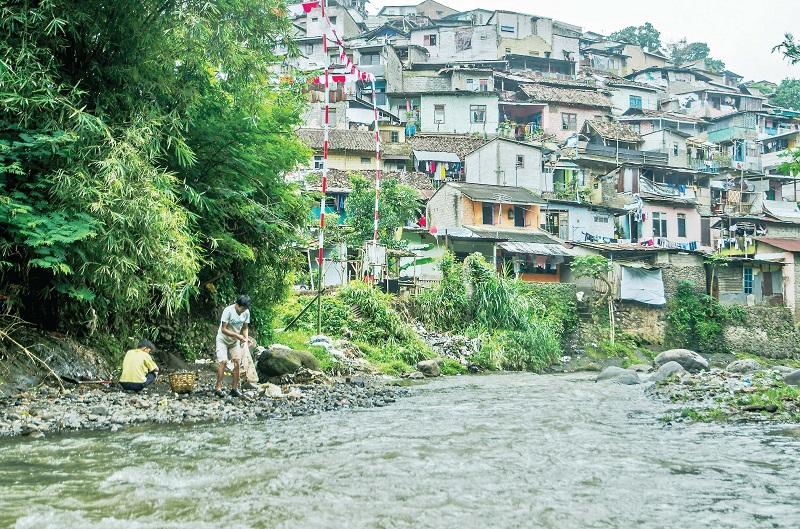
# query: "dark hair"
[243,301]
[147,344]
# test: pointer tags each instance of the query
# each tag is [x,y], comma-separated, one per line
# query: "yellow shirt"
[136,365]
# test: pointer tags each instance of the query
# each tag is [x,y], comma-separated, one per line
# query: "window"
[519,217]
[484,83]
[660,225]
[471,84]
[488,213]
[681,225]
[477,113]
[429,40]
[332,19]
[309,49]
[368,59]
[635,102]
[318,161]
[569,121]
[365,159]
[636,127]
[395,137]
[675,149]
[747,283]
[601,219]
[508,51]
[438,114]
[507,29]
[520,161]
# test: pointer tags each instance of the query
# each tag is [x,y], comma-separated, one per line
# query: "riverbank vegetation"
[142,158]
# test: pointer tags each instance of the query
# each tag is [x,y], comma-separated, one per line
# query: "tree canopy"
[790,48]
[398,202]
[787,94]
[646,36]
[683,52]
[142,148]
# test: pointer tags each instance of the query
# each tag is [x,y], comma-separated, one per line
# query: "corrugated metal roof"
[532,248]
[786,211]
[788,245]
[497,194]
[434,156]
[514,235]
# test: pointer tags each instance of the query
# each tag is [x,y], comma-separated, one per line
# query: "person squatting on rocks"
[232,338]
[138,368]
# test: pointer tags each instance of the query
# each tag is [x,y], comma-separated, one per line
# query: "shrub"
[696,321]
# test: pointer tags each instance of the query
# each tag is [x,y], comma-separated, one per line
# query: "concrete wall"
[692,222]
[483,43]
[473,215]
[457,113]
[425,81]
[564,46]
[496,163]
[345,26]
[620,97]
[348,161]
[552,125]
[445,209]
[644,322]
[766,331]
[664,141]
[581,221]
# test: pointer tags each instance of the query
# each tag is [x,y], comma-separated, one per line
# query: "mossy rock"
[277,362]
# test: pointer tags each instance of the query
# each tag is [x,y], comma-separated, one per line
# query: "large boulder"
[743,366]
[667,370]
[430,368]
[793,378]
[618,375]
[278,361]
[691,361]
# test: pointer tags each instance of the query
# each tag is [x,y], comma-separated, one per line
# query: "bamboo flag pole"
[325,141]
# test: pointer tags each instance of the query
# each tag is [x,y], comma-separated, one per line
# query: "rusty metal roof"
[787,245]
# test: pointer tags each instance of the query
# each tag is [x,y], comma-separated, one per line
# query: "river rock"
[430,368]
[272,391]
[667,370]
[743,366]
[641,368]
[618,375]
[278,362]
[793,378]
[416,375]
[691,361]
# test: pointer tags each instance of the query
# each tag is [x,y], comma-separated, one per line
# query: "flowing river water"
[488,452]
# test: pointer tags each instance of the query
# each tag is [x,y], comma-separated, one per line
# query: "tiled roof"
[461,145]
[340,180]
[567,96]
[656,114]
[614,130]
[340,140]
[787,245]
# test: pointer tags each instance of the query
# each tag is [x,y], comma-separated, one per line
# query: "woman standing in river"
[232,338]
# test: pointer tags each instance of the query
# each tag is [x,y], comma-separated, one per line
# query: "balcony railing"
[626,155]
[731,133]
[704,166]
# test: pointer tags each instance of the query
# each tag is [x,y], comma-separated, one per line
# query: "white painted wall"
[620,97]
[457,113]
[582,220]
[496,163]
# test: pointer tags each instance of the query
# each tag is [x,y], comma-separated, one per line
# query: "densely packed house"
[533,141]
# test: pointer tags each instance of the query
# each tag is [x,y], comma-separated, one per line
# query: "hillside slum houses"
[533,141]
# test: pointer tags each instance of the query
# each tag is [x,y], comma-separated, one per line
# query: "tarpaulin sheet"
[642,285]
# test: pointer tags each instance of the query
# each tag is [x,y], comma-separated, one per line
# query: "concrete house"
[348,150]
[559,110]
[505,162]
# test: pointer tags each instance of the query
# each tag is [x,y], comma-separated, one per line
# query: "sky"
[740,32]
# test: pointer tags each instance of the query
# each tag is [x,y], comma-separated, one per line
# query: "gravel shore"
[45,410]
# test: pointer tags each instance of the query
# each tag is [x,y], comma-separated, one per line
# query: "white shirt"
[235,322]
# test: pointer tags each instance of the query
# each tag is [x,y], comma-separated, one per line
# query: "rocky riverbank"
[742,391]
[45,410]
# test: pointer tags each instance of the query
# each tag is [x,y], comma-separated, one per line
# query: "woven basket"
[183,382]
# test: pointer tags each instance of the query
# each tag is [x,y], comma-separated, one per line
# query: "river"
[488,452]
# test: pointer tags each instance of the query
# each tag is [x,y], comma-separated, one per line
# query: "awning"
[433,156]
[533,248]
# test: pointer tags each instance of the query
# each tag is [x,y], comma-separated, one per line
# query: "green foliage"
[364,315]
[591,266]
[790,48]
[787,95]
[504,312]
[399,204]
[451,366]
[765,87]
[683,52]
[646,36]
[696,321]
[558,302]
[142,152]
[624,347]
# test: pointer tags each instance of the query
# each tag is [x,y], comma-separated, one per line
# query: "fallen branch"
[5,336]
